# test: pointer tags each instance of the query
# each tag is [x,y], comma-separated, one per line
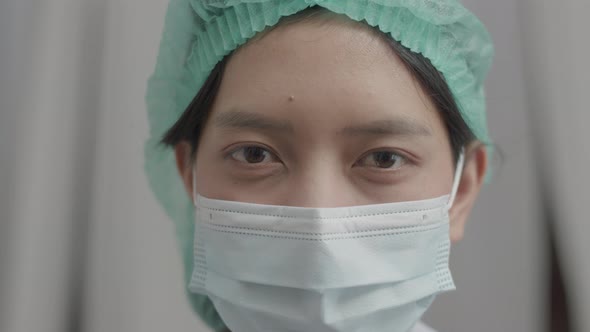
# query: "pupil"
[254,155]
[385,159]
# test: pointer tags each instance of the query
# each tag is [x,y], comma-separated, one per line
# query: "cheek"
[432,178]
[204,185]
[214,179]
[208,178]
[333,189]
[435,180]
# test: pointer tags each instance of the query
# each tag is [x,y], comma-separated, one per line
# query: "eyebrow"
[250,120]
[390,127]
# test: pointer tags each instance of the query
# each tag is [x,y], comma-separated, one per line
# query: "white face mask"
[372,268]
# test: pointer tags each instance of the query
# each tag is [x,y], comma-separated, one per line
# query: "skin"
[353,127]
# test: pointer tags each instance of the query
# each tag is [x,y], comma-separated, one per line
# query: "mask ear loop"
[457,179]
[194,189]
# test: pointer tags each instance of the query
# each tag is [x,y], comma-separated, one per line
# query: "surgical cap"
[199,33]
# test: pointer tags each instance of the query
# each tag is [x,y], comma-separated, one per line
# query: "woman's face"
[314,115]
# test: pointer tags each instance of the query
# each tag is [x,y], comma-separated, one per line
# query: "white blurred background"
[85,247]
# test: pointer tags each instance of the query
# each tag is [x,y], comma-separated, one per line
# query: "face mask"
[290,269]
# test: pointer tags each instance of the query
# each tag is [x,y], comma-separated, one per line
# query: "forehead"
[336,69]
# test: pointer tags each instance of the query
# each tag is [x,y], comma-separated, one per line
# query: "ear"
[182,152]
[470,184]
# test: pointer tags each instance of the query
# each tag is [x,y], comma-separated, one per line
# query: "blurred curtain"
[556,51]
[83,244]
[9,89]
[54,61]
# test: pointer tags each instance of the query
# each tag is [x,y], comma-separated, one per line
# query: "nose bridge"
[319,182]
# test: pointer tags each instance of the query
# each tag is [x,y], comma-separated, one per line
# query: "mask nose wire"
[457,179]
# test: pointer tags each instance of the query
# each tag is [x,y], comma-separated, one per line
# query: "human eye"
[252,155]
[383,160]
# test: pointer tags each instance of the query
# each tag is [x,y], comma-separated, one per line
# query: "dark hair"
[190,125]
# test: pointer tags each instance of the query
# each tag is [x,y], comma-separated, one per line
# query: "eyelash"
[403,159]
[398,155]
[244,147]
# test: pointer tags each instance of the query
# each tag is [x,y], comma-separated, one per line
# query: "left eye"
[383,159]
[253,155]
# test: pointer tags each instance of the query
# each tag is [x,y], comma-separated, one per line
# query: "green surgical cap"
[199,33]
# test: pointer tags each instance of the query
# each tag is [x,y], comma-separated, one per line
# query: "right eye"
[384,160]
[253,155]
